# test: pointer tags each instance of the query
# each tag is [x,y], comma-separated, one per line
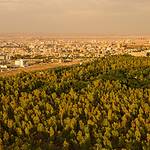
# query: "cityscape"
[29,52]
[74,75]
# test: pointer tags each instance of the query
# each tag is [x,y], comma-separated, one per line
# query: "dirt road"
[36,68]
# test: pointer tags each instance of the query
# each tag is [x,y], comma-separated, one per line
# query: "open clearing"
[36,68]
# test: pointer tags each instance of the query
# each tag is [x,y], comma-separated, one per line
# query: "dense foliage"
[101,104]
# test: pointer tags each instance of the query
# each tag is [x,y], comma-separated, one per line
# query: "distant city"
[21,53]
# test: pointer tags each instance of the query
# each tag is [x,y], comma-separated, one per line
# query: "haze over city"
[78,16]
[74,74]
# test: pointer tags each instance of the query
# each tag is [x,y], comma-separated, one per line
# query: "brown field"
[37,68]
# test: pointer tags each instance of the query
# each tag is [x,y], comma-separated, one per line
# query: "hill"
[101,104]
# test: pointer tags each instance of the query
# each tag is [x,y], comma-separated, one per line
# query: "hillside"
[101,104]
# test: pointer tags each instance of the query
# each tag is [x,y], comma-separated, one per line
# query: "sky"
[75,16]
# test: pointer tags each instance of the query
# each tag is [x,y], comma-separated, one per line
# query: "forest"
[103,104]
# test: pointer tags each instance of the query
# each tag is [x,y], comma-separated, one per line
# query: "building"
[3,66]
[4,57]
[19,63]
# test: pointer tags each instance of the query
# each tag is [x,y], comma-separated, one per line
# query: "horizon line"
[72,34]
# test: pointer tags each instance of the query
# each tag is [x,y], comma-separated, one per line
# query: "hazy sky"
[76,16]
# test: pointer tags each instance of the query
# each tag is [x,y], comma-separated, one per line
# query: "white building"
[3,66]
[19,63]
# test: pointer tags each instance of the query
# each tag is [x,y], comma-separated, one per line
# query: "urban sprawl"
[15,54]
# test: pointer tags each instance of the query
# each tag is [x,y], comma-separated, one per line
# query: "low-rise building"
[3,66]
[19,63]
[4,57]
